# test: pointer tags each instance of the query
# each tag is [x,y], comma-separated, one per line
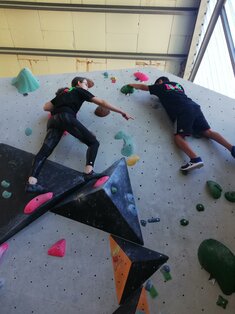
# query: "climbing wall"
[82,281]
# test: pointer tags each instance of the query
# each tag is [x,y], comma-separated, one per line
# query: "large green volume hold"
[219,261]
[214,188]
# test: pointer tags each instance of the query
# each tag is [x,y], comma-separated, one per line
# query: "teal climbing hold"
[128,147]
[219,261]
[28,131]
[25,82]
[222,302]
[184,222]
[214,188]
[200,207]
[6,194]
[230,196]
[5,184]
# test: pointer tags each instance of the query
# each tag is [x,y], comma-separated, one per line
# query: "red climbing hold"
[101,181]
[3,248]
[58,249]
[141,76]
[37,201]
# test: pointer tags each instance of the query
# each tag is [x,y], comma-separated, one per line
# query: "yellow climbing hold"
[132,160]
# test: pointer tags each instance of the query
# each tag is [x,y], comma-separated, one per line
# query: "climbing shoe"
[193,164]
[233,151]
[35,188]
[91,175]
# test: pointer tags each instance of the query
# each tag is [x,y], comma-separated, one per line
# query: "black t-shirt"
[172,97]
[71,101]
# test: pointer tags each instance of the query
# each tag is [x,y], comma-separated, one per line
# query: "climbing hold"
[113,79]
[2,282]
[127,89]
[58,249]
[154,219]
[230,196]
[219,261]
[222,302]
[28,131]
[106,75]
[132,160]
[141,76]
[6,194]
[101,181]
[184,222]
[3,248]
[25,82]
[5,184]
[143,222]
[200,207]
[165,270]
[127,149]
[113,189]
[101,111]
[214,189]
[37,201]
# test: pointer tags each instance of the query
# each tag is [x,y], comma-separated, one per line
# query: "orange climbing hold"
[132,160]
[58,249]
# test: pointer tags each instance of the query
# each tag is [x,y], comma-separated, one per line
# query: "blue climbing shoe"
[233,151]
[35,188]
[193,164]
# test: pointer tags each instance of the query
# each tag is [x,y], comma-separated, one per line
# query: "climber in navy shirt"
[64,108]
[187,117]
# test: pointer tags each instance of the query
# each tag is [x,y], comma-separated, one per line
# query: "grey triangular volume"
[109,207]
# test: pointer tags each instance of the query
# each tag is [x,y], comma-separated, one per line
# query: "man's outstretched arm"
[143,87]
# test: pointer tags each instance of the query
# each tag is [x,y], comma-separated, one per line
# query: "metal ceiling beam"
[206,39]
[23,5]
[92,54]
[228,37]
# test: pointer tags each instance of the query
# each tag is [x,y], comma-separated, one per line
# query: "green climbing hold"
[113,189]
[219,261]
[184,222]
[200,207]
[127,89]
[25,82]
[214,188]
[222,302]
[28,131]
[230,196]
[6,194]
[5,184]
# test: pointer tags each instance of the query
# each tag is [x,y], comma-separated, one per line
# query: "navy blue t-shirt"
[172,97]
[71,101]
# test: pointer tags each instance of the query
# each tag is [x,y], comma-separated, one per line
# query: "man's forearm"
[143,87]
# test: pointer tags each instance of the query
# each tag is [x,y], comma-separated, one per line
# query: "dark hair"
[77,79]
[163,78]
[61,90]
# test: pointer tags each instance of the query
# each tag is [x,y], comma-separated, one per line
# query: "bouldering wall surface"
[82,281]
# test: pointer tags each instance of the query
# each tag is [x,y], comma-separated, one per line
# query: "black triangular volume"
[15,167]
[145,262]
[131,303]
[109,207]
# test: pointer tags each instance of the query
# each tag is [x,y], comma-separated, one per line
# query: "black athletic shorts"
[191,121]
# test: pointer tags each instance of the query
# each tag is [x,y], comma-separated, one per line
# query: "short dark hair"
[77,79]
[163,78]
[62,90]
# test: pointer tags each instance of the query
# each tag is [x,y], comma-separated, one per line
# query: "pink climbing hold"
[3,248]
[58,249]
[37,202]
[141,76]
[101,181]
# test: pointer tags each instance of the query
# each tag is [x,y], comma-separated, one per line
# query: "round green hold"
[6,194]
[127,89]
[230,196]
[5,184]
[214,188]
[184,222]
[28,131]
[200,207]
[113,189]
